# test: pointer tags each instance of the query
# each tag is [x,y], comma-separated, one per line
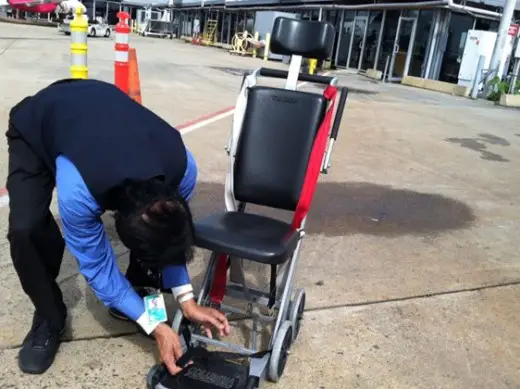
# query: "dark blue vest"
[108,136]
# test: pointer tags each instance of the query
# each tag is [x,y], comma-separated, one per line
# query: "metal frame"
[236,287]
[432,43]
[409,51]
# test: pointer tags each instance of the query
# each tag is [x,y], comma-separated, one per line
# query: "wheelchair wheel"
[154,376]
[296,310]
[280,352]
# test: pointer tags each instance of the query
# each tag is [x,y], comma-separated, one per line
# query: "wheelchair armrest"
[339,113]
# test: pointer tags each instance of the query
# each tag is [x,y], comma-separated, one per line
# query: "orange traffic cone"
[134,84]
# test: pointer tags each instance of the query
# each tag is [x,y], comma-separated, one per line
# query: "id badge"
[155,308]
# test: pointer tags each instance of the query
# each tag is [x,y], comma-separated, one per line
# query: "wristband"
[177,291]
[186,297]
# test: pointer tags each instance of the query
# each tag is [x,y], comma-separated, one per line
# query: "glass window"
[233,26]
[346,36]
[241,24]
[486,25]
[388,38]
[250,22]
[333,17]
[220,23]
[360,25]
[458,31]
[422,34]
[226,26]
[374,26]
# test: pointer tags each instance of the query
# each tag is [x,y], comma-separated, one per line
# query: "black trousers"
[36,243]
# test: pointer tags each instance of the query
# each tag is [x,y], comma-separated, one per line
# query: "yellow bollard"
[78,47]
[254,47]
[313,63]
[266,47]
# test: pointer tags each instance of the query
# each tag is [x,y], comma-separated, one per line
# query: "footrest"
[220,374]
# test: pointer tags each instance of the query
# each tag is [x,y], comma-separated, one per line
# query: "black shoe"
[39,347]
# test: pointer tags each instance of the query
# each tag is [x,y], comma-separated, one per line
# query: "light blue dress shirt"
[86,239]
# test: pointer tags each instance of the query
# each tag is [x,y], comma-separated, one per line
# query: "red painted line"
[205,117]
[3,191]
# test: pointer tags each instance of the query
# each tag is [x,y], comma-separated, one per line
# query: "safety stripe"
[121,56]
[79,37]
[78,60]
[122,38]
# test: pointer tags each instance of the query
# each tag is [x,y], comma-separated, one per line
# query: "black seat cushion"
[245,235]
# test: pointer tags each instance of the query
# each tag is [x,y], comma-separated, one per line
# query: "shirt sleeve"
[175,276]
[88,242]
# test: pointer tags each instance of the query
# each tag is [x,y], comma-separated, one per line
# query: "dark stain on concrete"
[348,208]
[494,140]
[480,144]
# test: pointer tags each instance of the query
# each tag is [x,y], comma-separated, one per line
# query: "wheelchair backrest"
[280,125]
[309,39]
[274,147]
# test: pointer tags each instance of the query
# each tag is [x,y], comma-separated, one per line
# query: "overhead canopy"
[495,3]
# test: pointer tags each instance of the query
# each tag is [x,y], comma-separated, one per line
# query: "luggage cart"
[158,28]
[281,140]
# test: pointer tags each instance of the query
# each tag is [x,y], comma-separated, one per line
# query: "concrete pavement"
[411,261]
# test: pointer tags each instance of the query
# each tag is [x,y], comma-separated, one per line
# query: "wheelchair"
[281,140]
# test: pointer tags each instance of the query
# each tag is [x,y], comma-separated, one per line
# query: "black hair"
[154,221]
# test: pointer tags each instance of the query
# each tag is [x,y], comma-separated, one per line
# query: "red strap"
[309,186]
[218,288]
[315,161]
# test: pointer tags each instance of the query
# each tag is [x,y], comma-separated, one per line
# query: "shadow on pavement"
[340,209]
[347,208]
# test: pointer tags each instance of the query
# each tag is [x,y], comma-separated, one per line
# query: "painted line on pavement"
[184,128]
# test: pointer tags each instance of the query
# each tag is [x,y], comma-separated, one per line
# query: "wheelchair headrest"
[310,39]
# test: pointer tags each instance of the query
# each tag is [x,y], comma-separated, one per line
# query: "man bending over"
[102,152]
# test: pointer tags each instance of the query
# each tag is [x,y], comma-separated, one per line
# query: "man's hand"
[169,346]
[207,317]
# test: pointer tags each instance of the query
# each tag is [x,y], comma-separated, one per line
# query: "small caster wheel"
[155,376]
[282,344]
[296,310]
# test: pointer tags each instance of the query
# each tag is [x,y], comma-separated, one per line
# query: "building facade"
[421,38]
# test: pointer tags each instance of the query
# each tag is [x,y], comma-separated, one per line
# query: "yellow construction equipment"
[210,28]
[244,43]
